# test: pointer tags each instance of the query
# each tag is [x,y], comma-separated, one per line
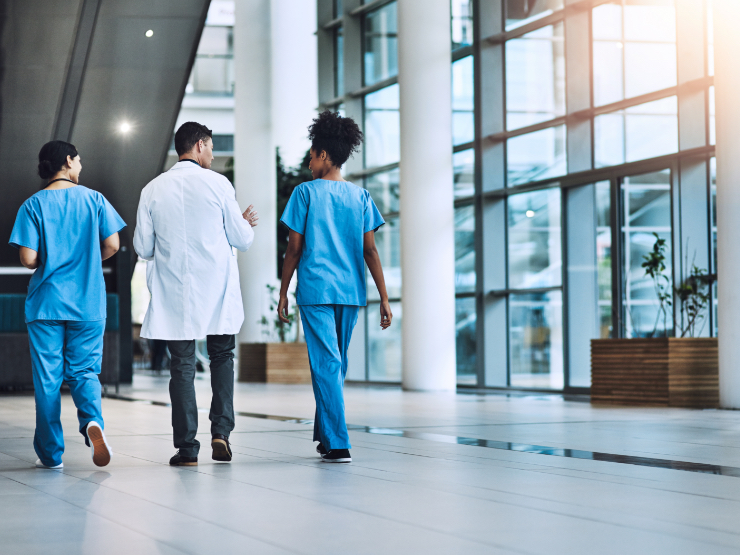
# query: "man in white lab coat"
[187,223]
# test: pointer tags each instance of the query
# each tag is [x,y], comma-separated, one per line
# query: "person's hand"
[283,310]
[386,316]
[251,216]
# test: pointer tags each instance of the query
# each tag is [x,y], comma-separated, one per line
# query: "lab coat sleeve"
[144,234]
[238,230]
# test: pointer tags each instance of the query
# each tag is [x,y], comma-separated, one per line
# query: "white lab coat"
[187,222]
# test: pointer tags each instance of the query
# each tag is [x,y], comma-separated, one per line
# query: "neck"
[334,174]
[61,184]
[190,156]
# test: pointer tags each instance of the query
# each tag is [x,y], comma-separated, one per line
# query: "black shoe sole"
[184,464]
[220,450]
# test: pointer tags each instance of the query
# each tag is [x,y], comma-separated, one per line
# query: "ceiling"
[76,70]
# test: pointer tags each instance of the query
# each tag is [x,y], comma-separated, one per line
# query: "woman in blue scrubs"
[64,232]
[332,231]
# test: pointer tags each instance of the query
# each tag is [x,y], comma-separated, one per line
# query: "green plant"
[654,264]
[272,324]
[693,294]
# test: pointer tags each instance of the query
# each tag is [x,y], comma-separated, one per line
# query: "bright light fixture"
[530,213]
[149,34]
[125,127]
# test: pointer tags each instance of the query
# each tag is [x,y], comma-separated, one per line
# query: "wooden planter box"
[659,372]
[274,363]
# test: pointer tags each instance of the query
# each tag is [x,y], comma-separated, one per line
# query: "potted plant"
[660,370]
[282,357]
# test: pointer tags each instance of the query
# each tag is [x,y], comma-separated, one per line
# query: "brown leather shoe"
[221,448]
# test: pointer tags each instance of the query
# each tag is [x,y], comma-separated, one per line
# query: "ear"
[69,161]
[324,155]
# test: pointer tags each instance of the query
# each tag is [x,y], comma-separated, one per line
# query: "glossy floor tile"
[414,487]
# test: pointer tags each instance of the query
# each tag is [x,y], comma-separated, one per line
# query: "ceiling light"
[149,34]
[530,213]
[125,127]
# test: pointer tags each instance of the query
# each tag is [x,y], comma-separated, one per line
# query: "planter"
[660,372]
[274,363]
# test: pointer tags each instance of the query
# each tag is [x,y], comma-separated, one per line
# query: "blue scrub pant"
[328,329]
[66,351]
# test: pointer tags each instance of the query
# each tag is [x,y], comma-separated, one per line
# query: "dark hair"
[189,134]
[340,137]
[53,157]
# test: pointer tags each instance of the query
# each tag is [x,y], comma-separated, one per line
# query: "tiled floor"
[400,495]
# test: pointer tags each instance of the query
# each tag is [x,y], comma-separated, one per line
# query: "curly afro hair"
[340,137]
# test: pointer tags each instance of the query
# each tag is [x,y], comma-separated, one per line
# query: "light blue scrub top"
[66,228]
[333,217]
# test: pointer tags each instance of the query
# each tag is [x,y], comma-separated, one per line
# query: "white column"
[295,89]
[727,83]
[254,157]
[426,203]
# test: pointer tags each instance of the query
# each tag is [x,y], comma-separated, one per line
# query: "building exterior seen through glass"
[565,170]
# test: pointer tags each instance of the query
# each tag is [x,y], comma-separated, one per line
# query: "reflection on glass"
[604,257]
[463,121]
[634,50]
[339,62]
[213,70]
[535,258]
[465,317]
[710,37]
[338,12]
[637,133]
[465,249]
[712,117]
[536,156]
[463,164]
[382,127]
[380,35]
[462,23]
[646,201]
[519,12]
[536,340]
[383,188]
[535,77]
[384,346]
[388,241]
[713,205]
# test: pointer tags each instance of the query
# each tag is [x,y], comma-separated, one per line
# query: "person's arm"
[290,263]
[29,258]
[110,246]
[372,259]
[144,237]
[237,224]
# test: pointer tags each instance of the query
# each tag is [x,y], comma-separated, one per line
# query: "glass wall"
[213,70]
[562,180]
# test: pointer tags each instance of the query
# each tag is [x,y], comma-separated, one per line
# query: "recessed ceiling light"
[149,34]
[125,127]
[530,213]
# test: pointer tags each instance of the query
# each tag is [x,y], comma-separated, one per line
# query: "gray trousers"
[182,391]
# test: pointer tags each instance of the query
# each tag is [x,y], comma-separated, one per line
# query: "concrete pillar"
[254,157]
[426,204]
[727,83]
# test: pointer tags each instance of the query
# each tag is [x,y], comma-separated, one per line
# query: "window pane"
[710,37]
[519,12]
[388,241]
[463,164]
[713,235]
[463,122]
[384,346]
[646,201]
[382,127]
[465,318]
[535,156]
[216,41]
[536,340]
[637,133]
[380,35]
[465,249]
[462,23]
[338,8]
[604,257]
[535,240]
[535,77]
[634,49]
[339,62]
[712,117]
[383,188]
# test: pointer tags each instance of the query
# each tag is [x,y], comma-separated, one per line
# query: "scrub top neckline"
[65,189]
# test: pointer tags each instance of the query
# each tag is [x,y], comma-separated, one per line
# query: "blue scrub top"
[66,228]
[333,217]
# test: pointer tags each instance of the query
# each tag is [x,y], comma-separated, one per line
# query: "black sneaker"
[337,456]
[221,448]
[321,450]
[179,460]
